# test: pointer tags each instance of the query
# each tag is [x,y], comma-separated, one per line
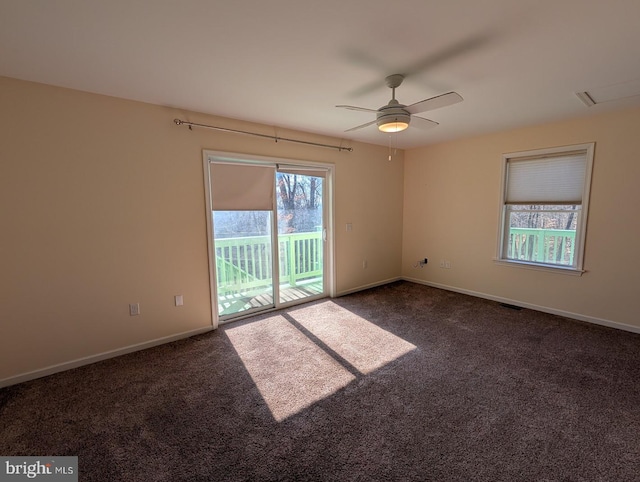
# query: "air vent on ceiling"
[585,98]
[610,93]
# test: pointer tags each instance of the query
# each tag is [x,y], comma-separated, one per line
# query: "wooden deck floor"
[238,303]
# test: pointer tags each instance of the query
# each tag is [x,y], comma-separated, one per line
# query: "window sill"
[540,267]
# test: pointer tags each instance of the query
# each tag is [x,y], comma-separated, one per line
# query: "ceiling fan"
[396,117]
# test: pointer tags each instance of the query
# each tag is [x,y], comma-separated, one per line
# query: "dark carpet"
[398,383]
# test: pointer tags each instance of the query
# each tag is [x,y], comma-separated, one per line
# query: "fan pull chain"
[395,145]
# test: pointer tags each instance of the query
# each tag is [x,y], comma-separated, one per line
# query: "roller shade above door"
[241,187]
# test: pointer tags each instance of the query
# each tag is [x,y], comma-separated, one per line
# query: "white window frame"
[581,228]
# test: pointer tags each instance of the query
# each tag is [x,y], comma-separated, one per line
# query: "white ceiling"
[287,63]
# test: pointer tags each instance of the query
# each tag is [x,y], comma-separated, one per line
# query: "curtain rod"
[179,122]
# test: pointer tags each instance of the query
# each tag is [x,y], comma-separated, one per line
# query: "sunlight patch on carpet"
[290,371]
[359,342]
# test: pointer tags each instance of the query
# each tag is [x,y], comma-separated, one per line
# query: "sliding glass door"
[301,233]
[268,232]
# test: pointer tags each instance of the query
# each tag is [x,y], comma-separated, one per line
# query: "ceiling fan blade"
[456,50]
[361,126]
[422,123]
[363,59]
[353,107]
[443,100]
[366,89]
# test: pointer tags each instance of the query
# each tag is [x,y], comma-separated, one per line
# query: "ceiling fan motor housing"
[392,112]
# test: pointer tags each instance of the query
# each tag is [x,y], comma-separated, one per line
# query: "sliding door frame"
[328,205]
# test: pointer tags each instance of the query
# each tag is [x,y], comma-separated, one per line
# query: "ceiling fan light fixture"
[393,121]
[393,126]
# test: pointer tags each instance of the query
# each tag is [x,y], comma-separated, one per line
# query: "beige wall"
[452,196]
[102,205]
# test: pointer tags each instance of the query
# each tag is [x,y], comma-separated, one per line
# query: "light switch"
[179,300]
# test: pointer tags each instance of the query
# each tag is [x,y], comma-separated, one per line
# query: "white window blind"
[547,180]
[241,187]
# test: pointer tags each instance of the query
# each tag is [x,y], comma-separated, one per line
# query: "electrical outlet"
[447,264]
[134,309]
[442,263]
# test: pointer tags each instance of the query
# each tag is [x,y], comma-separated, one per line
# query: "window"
[544,207]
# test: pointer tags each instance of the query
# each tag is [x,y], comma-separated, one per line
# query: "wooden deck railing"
[550,246]
[245,264]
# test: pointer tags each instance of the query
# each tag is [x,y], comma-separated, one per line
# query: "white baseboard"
[24,377]
[544,309]
[50,370]
[366,287]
